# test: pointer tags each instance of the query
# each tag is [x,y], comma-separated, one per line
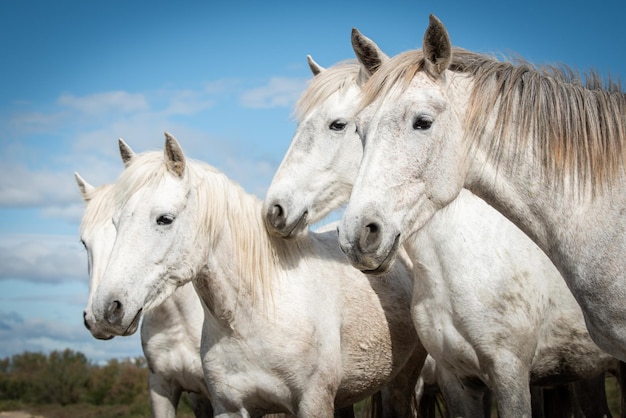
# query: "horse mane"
[325,84]
[573,127]
[258,257]
[98,209]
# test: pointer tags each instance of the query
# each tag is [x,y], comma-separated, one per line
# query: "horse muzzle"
[279,222]
[368,248]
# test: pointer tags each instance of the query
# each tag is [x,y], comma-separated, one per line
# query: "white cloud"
[72,213]
[26,123]
[219,86]
[254,174]
[106,103]
[42,258]
[279,92]
[27,188]
[187,102]
[18,334]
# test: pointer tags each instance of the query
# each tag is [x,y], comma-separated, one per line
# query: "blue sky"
[222,78]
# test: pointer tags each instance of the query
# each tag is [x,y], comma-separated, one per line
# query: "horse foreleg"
[590,396]
[318,401]
[164,396]
[511,386]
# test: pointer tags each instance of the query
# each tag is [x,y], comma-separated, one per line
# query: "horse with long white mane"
[535,143]
[488,305]
[283,328]
[170,333]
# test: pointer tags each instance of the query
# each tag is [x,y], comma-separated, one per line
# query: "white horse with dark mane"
[489,306]
[283,329]
[535,143]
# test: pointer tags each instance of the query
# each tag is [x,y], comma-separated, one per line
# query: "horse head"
[412,158]
[152,222]
[316,174]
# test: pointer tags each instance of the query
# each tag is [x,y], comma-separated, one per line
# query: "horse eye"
[84,245]
[422,123]
[337,126]
[165,220]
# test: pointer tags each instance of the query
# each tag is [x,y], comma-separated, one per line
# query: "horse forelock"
[99,208]
[147,171]
[325,84]
[572,127]
[395,73]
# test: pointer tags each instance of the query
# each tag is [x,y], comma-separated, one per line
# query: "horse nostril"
[371,237]
[85,321]
[114,313]
[277,216]
[372,228]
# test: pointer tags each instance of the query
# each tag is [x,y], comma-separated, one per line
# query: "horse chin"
[297,230]
[96,333]
[134,325]
[102,336]
[387,262]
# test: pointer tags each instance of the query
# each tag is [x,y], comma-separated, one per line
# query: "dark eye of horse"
[83,242]
[337,126]
[165,220]
[422,123]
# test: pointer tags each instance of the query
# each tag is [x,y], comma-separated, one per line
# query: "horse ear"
[85,188]
[174,156]
[367,52]
[126,152]
[437,47]
[314,66]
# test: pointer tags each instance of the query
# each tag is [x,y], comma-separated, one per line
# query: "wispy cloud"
[31,188]
[18,334]
[42,258]
[279,92]
[106,102]
[187,102]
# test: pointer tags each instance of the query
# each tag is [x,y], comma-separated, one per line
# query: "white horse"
[170,333]
[536,144]
[488,305]
[283,328]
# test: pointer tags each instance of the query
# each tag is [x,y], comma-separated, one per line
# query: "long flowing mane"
[326,83]
[99,208]
[259,257]
[572,127]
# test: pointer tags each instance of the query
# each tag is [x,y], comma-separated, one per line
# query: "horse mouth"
[132,328]
[387,262]
[299,226]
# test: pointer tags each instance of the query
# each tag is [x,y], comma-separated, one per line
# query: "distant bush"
[66,384]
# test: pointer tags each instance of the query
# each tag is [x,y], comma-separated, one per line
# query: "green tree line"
[65,383]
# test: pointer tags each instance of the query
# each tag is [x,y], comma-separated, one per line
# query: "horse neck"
[244,261]
[465,228]
[547,154]
[554,216]
[183,305]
